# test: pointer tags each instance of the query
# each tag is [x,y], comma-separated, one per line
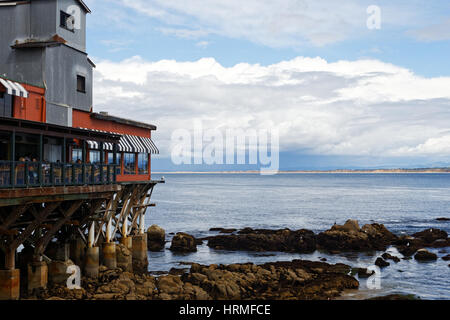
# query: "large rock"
[156,238]
[170,284]
[380,262]
[349,226]
[425,255]
[388,256]
[183,242]
[349,237]
[284,240]
[431,235]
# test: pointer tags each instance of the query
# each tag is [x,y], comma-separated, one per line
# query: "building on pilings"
[64,169]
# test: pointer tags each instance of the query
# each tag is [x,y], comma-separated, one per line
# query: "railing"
[15,174]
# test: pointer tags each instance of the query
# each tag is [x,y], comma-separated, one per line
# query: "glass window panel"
[129,163]
[77,155]
[143,163]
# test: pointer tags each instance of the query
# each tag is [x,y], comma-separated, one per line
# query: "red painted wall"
[31,108]
[82,119]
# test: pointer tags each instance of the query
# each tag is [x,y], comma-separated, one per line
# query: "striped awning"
[150,145]
[125,144]
[128,143]
[95,145]
[14,88]
[137,144]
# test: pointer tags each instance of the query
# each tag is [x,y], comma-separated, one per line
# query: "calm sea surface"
[405,203]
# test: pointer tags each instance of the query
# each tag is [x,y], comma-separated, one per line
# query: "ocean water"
[404,203]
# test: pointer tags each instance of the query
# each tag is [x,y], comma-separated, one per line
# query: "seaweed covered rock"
[380,262]
[183,242]
[425,255]
[349,237]
[296,280]
[260,240]
[429,236]
[156,238]
[388,256]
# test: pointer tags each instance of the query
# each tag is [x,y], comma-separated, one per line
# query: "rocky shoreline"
[290,280]
[295,280]
[340,238]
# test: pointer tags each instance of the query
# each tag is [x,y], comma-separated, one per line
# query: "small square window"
[81,84]
[66,21]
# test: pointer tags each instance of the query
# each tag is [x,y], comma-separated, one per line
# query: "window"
[129,163]
[67,21]
[94,156]
[111,161]
[143,163]
[81,84]
[6,104]
[77,154]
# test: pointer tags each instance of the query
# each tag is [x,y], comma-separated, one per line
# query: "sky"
[341,93]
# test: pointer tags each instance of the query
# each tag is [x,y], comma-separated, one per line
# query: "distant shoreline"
[346,171]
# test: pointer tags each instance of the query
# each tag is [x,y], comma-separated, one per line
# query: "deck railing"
[15,174]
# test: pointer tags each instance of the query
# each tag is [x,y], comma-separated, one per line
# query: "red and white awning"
[14,88]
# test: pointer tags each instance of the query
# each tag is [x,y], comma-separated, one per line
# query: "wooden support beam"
[8,232]
[43,213]
[45,240]
[16,197]
[145,206]
[14,215]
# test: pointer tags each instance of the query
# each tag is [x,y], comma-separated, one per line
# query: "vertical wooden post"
[83,170]
[102,163]
[13,157]
[10,259]
[41,146]
[63,161]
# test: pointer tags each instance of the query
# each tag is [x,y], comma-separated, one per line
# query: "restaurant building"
[69,176]
[46,76]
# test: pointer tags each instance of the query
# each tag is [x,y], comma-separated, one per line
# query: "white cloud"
[286,23]
[363,107]
[184,33]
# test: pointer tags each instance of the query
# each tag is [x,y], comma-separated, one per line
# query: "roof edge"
[84,5]
[107,117]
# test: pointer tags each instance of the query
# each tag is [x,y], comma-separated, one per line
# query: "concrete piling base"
[139,253]
[91,267]
[10,284]
[77,251]
[109,257]
[124,258]
[57,271]
[37,276]
[127,242]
